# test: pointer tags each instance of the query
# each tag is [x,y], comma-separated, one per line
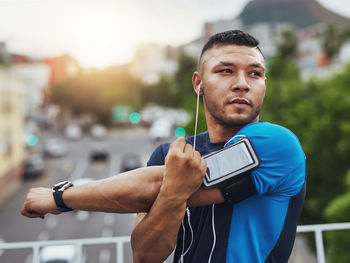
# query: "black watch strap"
[57,195]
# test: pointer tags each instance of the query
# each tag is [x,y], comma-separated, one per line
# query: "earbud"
[198,89]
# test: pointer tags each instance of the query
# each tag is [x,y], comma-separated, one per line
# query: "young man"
[252,220]
[257,221]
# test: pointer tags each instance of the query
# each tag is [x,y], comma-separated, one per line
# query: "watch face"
[61,186]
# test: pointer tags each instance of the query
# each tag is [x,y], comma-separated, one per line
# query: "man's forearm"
[154,237]
[130,192]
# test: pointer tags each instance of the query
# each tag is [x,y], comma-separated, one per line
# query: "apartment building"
[11,131]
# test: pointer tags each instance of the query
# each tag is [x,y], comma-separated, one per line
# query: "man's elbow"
[139,253]
[151,255]
[141,258]
[146,257]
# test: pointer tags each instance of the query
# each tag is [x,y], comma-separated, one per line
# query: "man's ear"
[196,82]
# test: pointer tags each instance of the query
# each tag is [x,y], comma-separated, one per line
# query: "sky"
[99,33]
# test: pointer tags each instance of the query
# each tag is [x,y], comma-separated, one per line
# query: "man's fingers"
[176,148]
[204,165]
[31,214]
[202,162]
[26,211]
[178,145]
[188,150]
[197,156]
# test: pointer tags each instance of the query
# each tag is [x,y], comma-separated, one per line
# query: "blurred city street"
[88,89]
[76,164]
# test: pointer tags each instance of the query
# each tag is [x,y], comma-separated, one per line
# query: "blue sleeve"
[282,160]
[158,155]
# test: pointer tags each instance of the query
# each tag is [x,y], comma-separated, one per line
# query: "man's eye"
[226,70]
[256,73]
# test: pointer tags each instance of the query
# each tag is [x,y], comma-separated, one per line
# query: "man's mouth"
[239,101]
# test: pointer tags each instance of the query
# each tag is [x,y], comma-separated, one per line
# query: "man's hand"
[184,170]
[39,202]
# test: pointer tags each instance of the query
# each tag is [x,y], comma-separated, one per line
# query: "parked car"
[98,131]
[73,132]
[161,129]
[130,162]
[55,147]
[33,167]
[60,254]
[99,152]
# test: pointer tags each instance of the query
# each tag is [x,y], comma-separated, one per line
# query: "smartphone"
[231,161]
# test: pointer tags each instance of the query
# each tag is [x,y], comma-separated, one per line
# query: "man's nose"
[241,82]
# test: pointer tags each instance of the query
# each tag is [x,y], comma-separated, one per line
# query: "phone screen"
[227,161]
[233,160]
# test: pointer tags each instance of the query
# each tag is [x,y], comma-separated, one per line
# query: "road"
[80,224]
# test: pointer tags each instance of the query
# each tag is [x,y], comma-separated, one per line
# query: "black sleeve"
[241,187]
[158,155]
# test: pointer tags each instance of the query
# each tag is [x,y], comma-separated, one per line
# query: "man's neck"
[218,133]
[221,133]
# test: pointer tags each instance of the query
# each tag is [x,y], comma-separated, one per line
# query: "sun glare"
[100,40]
[98,33]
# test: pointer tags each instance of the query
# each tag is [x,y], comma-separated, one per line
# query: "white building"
[11,129]
[151,60]
[35,76]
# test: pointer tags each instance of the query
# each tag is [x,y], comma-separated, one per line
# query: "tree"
[97,92]
[188,99]
[318,112]
[177,91]
[284,87]
[338,210]
[288,45]
[163,92]
[331,41]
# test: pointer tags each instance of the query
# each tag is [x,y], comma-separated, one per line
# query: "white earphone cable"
[195,126]
[214,234]
[181,260]
[190,226]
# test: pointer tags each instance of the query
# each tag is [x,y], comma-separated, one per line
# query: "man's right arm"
[131,192]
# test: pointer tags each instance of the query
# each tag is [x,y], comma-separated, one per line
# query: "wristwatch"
[57,191]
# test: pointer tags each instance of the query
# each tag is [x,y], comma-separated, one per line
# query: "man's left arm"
[154,236]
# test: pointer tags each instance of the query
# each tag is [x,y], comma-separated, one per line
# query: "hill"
[300,13]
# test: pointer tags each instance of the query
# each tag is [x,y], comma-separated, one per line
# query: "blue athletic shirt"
[260,228]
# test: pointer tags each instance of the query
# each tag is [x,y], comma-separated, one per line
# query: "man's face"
[233,84]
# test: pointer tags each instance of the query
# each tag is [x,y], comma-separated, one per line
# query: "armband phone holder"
[227,164]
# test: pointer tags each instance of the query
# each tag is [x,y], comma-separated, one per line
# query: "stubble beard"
[237,120]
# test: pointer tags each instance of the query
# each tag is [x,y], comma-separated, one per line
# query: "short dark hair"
[231,37]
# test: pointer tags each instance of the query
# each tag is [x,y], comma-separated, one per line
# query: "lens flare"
[135,117]
[180,132]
